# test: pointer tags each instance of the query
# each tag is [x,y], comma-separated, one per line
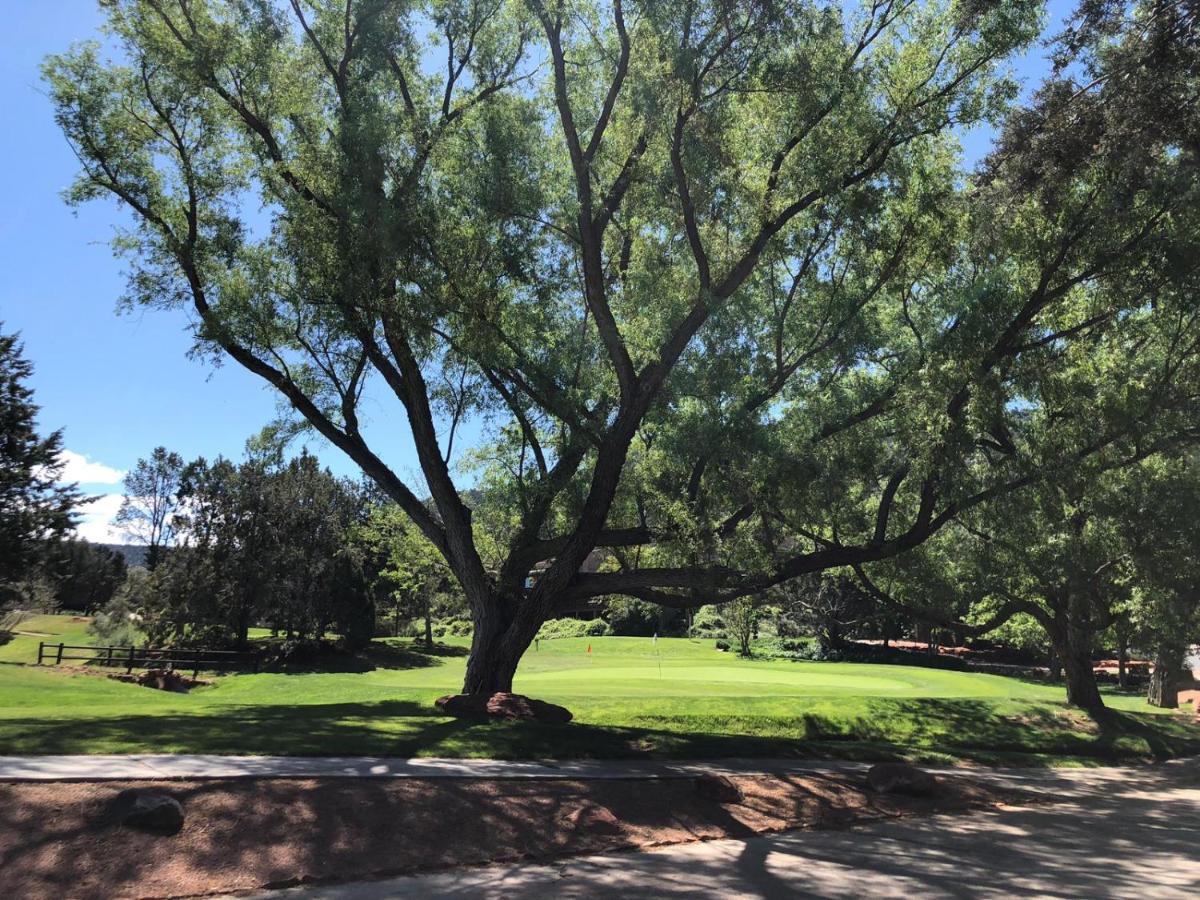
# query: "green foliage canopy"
[710,267]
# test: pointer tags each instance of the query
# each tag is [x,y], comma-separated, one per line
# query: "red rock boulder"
[718,788]
[901,778]
[502,706]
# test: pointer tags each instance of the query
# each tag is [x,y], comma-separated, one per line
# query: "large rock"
[159,679]
[901,778]
[148,811]
[463,704]
[718,788]
[590,819]
[502,706]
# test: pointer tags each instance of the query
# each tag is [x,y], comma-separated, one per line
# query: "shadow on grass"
[392,654]
[939,730]
[412,655]
[379,655]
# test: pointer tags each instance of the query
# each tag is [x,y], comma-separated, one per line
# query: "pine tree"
[34,506]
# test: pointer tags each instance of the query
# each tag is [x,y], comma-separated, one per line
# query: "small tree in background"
[118,624]
[410,573]
[741,622]
[147,513]
[827,606]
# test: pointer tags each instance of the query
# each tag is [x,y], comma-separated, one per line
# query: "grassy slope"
[22,646]
[683,699]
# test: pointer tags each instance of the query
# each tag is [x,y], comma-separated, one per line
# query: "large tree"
[262,543]
[709,267]
[81,575]
[35,508]
[1165,607]
[1060,553]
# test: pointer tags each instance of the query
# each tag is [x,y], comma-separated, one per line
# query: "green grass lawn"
[681,698]
[22,645]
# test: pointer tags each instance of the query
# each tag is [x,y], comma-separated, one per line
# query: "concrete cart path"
[102,767]
[1136,836]
[180,766]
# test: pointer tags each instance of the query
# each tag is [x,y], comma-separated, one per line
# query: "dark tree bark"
[1054,664]
[1082,690]
[1072,633]
[243,629]
[497,646]
[1164,682]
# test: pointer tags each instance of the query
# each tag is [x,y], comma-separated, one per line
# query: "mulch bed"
[57,839]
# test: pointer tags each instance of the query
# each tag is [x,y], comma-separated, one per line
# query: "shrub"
[635,618]
[787,648]
[865,653]
[568,628]
[707,623]
[454,626]
[119,622]
[722,645]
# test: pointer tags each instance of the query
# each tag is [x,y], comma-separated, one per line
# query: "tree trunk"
[1072,636]
[428,624]
[491,668]
[496,650]
[1122,663]
[1082,690]
[243,630]
[744,644]
[1164,683]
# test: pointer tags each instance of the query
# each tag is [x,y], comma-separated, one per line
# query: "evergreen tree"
[34,506]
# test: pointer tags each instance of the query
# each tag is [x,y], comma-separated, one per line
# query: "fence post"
[41,650]
[196,662]
[108,659]
[58,662]
[129,668]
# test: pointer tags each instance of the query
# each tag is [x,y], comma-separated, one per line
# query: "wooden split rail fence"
[130,658]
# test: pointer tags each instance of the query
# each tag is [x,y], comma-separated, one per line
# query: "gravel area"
[58,840]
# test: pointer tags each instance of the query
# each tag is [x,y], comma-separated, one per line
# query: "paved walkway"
[101,767]
[1132,833]
[171,766]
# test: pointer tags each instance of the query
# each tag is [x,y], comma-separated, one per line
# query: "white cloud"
[79,468]
[95,520]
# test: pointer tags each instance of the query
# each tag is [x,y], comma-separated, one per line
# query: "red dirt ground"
[56,839]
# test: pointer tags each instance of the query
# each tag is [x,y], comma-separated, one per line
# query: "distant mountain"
[135,554]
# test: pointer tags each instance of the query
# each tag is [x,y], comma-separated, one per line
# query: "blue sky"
[121,384]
